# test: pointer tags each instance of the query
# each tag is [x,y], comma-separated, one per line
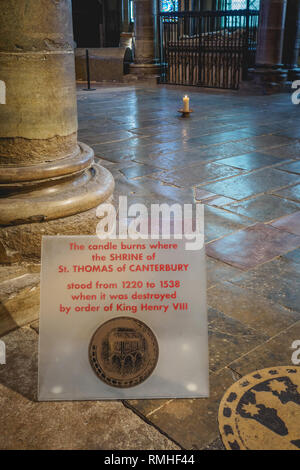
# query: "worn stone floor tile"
[132,142]
[136,120]
[156,149]
[161,162]
[217,138]
[256,312]
[252,246]
[216,271]
[264,208]
[216,445]
[191,132]
[30,425]
[229,338]
[276,352]
[192,424]
[153,190]
[218,201]
[293,256]
[289,262]
[118,156]
[251,161]
[168,157]
[188,154]
[115,169]
[196,175]
[259,182]
[219,223]
[225,149]
[290,150]
[206,128]
[123,186]
[290,223]
[277,127]
[117,152]
[147,200]
[201,195]
[292,133]
[89,127]
[173,136]
[267,141]
[137,171]
[93,137]
[278,281]
[292,193]
[285,264]
[35,326]
[293,167]
[175,160]
[154,129]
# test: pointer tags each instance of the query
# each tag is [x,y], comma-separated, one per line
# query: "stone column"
[145,61]
[291,46]
[47,178]
[268,73]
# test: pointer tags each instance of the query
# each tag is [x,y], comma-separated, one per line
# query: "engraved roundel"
[123,352]
[262,411]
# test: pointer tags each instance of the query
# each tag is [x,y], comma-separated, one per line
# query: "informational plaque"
[122,319]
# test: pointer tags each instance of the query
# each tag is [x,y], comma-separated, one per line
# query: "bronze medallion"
[262,411]
[123,352]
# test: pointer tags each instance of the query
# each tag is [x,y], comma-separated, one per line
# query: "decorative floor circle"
[262,411]
[123,352]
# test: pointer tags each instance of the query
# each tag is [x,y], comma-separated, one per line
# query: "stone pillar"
[268,73]
[47,178]
[291,46]
[145,62]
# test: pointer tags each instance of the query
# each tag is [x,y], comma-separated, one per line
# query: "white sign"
[88,284]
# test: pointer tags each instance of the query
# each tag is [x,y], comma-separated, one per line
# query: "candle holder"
[185,113]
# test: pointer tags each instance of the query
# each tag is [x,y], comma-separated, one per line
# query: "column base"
[22,243]
[58,205]
[266,80]
[145,71]
[56,199]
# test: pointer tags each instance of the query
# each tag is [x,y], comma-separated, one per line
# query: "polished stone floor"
[240,156]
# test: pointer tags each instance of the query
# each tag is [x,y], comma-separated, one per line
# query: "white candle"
[186,104]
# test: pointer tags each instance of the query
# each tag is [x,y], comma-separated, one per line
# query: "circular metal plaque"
[123,352]
[262,411]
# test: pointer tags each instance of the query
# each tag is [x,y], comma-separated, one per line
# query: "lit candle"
[186,104]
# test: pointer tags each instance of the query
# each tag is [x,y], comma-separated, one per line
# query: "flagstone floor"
[240,156]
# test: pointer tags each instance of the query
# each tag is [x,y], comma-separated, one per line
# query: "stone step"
[19,297]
